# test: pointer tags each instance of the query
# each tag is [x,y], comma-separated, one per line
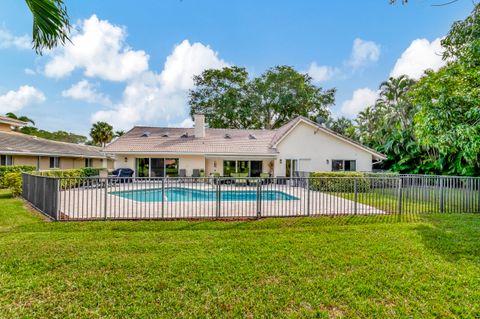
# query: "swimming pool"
[181,194]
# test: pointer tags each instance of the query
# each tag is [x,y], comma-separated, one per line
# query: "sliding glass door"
[252,168]
[143,167]
[157,167]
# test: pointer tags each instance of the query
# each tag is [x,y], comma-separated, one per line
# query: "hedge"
[13,181]
[71,173]
[13,169]
[344,182]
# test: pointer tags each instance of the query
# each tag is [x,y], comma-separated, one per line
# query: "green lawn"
[377,266]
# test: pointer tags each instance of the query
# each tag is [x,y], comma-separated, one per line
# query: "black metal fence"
[112,198]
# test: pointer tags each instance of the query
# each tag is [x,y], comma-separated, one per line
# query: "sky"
[132,62]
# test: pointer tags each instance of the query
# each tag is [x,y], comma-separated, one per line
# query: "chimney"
[199,125]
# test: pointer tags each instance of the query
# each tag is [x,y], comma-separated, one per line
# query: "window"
[344,165]
[157,167]
[88,162]
[55,162]
[229,167]
[171,167]
[6,160]
[252,168]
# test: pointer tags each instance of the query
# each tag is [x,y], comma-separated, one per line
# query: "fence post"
[399,195]
[163,197]
[441,203]
[105,198]
[308,196]
[355,191]
[259,199]
[218,198]
[56,186]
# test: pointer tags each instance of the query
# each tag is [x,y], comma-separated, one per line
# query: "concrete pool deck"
[94,202]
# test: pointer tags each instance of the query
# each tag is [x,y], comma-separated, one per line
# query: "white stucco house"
[299,145]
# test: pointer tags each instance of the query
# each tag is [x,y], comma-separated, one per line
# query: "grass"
[362,266]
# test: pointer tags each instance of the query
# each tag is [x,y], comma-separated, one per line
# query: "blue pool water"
[179,194]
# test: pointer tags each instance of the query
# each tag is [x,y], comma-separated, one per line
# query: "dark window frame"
[341,165]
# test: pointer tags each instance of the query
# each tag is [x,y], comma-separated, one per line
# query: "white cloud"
[13,101]
[361,99]
[320,73]
[153,96]
[85,91]
[186,123]
[99,49]
[8,40]
[29,71]
[363,52]
[418,57]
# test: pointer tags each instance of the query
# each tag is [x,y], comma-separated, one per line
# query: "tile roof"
[12,122]
[18,143]
[144,139]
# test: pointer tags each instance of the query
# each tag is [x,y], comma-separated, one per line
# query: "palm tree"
[101,133]
[51,24]
[22,118]
[119,133]
[393,100]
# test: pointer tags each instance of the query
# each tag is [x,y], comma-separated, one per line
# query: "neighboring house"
[21,149]
[299,145]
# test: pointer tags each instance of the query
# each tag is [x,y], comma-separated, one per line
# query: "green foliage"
[70,175]
[13,169]
[51,24]
[101,133]
[343,182]
[228,98]
[13,181]
[60,136]
[22,118]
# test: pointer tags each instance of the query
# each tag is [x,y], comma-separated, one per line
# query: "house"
[299,145]
[21,149]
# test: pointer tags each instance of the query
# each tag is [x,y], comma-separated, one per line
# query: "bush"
[13,169]
[13,181]
[343,182]
[70,174]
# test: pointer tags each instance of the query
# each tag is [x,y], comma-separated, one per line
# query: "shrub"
[13,169]
[13,181]
[70,175]
[343,182]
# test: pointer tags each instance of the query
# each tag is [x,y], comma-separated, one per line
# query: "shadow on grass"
[5,195]
[455,237]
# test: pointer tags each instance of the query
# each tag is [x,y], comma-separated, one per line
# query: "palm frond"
[51,24]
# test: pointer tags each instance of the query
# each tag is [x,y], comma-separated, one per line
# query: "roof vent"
[146,134]
[227,136]
[252,137]
[165,134]
[184,135]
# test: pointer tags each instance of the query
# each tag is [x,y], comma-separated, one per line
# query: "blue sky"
[132,61]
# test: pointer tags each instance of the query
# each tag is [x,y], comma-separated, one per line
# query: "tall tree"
[22,118]
[101,133]
[282,93]
[223,96]
[229,99]
[51,24]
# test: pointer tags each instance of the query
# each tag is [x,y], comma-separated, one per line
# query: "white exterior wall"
[313,148]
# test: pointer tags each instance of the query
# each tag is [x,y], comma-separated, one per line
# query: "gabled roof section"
[183,140]
[12,122]
[23,144]
[216,141]
[283,131]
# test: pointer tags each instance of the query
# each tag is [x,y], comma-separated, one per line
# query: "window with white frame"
[54,162]
[344,165]
[6,160]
